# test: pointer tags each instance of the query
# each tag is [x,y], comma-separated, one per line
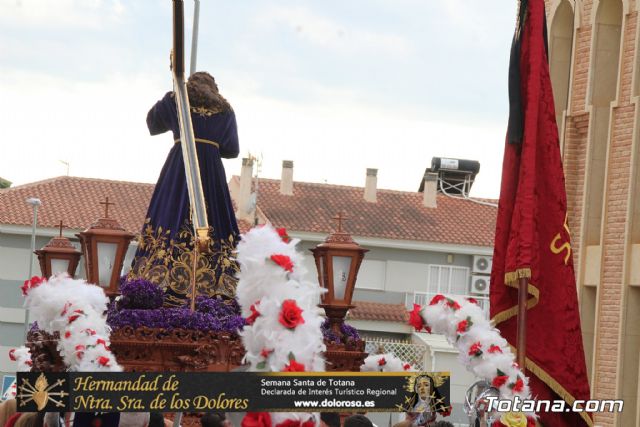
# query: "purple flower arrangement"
[174,318]
[141,305]
[140,294]
[349,333]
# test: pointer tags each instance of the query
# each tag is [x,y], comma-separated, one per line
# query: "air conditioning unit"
[479,285]
[482,264]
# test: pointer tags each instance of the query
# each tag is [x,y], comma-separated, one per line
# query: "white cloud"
[477,22]
[60,14]
[100,129]
[336,142]
[324,32]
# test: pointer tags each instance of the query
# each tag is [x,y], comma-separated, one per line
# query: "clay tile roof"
[397,215]
[366,310]
[76,201]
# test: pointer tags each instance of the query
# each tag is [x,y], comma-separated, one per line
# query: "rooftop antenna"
[66,164]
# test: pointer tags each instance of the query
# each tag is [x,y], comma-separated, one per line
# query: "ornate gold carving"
[169,263]
[205,112]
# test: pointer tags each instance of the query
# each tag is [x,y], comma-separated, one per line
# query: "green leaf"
[262,365]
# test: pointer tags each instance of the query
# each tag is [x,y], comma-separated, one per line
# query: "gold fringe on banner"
[511,279]
[514,276]
[554,385]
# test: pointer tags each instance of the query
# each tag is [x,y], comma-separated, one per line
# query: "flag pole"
[523,283]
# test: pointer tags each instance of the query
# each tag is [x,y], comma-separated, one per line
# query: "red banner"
[532,233]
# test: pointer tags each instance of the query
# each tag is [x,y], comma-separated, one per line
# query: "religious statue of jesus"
[166,245]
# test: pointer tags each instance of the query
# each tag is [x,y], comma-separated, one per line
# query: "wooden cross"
[339,218]
[106,207]
[61,226]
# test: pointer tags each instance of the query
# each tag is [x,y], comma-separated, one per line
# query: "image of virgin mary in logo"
[429,396]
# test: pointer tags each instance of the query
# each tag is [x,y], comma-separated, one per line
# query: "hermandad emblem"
[41,393]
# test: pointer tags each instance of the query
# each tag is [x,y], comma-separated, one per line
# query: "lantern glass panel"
[321,271]
[341,269]
[106,258]
[59,266]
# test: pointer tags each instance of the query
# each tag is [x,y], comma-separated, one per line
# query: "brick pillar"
[614,227]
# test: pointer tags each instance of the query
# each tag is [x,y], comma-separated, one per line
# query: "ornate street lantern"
[58,256]
[104,245]
[338,259]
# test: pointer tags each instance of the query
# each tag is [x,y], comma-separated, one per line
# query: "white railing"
[403,349]
[423,298]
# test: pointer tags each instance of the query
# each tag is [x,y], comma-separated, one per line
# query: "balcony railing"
[423,298]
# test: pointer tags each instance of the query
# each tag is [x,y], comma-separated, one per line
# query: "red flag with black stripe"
[532,234]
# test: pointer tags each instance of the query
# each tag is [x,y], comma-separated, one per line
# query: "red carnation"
[517,386]
[309,423]
[282,232]
[254,314]
[28,362]
[90,332]
[80,351]
[445,412]
[453,304]
[435,300]
[12,354]
[29,284]
[462,326]
[256,419]
[66,307]
[67,334]
[290,314]
[265,352]
[415,319]
[406,367]
[472,300]
[75,315]
[293,366]
[499,381]
[494,349]
[382,361]
[427,329]
[283,261]
[475,349]
[101,341]
[103,360]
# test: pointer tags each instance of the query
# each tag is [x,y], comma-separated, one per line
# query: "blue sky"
[336,86]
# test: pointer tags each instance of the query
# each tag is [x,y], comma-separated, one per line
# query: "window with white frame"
[448,279]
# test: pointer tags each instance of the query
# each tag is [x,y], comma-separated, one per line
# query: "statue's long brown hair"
[203,93]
